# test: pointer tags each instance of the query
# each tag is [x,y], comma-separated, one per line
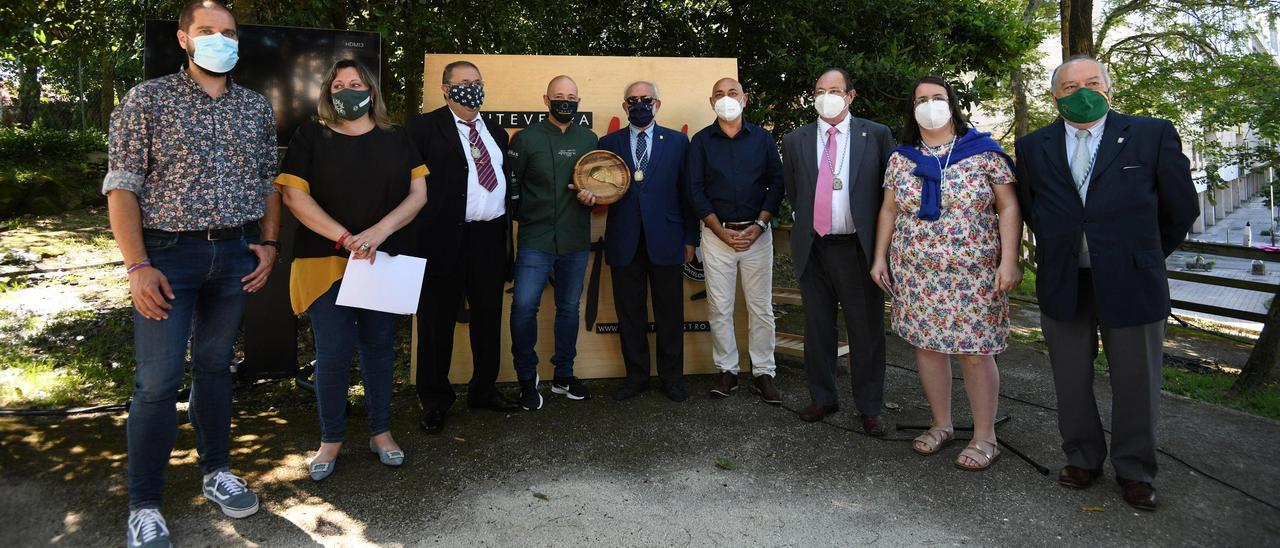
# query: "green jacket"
[542,159]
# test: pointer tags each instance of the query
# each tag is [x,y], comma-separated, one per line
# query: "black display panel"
[287,66]
[284,64]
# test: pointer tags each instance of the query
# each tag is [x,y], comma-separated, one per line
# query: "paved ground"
[644,472]
[1255,213]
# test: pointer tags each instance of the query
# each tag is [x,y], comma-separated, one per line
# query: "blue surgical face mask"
[215,53]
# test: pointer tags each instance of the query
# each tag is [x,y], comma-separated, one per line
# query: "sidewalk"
[1229,230]
[644,472]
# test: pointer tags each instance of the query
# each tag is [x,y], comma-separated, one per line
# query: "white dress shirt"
[482,205]
[841,213]
[1094,140]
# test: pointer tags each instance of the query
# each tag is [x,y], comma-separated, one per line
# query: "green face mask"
[352,103]
[1083,106]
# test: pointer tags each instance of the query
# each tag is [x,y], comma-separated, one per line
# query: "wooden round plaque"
[604,173]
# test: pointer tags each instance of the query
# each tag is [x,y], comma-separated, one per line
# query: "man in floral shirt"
[192,207]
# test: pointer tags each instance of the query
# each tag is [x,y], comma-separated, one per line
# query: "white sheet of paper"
[390,284]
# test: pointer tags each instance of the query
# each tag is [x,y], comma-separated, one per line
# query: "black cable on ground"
[1166,453]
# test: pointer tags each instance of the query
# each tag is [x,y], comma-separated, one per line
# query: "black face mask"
[563,110]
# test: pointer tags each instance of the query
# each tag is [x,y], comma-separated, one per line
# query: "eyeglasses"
[640,99]
[468,83]
[922,100]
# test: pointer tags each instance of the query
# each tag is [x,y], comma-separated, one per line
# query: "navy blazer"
[658,204]
[1139,206]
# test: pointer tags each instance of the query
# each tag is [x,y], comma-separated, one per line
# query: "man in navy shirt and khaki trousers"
[735,186]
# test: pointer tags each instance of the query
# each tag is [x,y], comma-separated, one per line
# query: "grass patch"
[1212,388]
[79,357]
[1026,289]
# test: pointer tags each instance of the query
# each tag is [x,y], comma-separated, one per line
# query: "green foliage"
[45,171]
[1212,388]
[1191,62]
[43,147]
[781,45]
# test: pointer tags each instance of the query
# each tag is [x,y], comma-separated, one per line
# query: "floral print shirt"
[194,162]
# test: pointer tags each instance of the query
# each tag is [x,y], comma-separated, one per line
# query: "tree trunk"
[411,69]
[1257,370]
[1021,114]
[107,94]
[1018,81]
[1077,28]
[338,15]
[28,90]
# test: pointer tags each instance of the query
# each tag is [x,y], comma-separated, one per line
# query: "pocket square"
[1131,167]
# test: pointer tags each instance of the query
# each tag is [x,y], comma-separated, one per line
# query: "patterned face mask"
[467,95]
[352,103]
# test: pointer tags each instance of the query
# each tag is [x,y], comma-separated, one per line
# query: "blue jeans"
[207,308]
[532,269]
[339,331]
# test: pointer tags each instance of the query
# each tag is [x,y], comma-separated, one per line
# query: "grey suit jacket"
[870,145]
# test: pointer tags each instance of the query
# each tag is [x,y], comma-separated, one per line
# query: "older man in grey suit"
[833,172]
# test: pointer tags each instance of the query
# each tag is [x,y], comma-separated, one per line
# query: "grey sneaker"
[147,529]
[229,492]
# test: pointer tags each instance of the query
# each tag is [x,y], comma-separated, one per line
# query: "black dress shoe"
[675,391]
[1139,494]
[768,392]
[496,402]
[1078,478]
[815,412]
[873,426]
[432,422]
[628,391]
[726,384]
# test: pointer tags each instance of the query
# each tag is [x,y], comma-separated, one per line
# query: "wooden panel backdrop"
[516,83]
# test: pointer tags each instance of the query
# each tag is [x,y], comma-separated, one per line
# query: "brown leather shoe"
[768,392]
[815,412]
[873,426]
[1077,478]
[1139,494]
[725,384]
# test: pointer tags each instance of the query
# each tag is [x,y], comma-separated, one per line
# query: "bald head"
[727,87]
[562,87]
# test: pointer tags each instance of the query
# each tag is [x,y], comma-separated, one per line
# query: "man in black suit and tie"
[833,171]
[466,239]
[1108,197]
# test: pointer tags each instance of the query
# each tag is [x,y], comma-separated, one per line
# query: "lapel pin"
[1120,140]
[864,134]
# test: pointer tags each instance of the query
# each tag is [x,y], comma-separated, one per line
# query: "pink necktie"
[826,184]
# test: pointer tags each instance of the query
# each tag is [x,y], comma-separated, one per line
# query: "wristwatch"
[763,225]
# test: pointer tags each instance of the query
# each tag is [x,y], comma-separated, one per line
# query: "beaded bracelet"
[145,263]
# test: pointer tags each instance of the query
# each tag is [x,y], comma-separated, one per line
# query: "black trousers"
[478,275]
[631,285]
[837,277]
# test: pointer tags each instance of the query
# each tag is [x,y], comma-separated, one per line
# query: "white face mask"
[828,105]
[933,114]
[728,108]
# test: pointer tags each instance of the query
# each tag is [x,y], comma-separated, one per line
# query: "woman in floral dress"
[947,253]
